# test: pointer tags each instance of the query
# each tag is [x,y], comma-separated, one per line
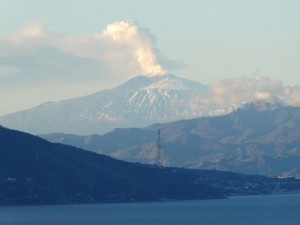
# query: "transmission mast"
[158,151]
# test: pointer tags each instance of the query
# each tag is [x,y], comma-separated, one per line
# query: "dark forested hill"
[34,171]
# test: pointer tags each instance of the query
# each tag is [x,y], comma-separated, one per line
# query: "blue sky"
[49,46]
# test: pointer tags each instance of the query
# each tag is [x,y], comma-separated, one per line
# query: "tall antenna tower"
[158,151]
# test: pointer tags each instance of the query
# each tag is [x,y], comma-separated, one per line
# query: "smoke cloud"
[141,42]
[223,96]
[122,44]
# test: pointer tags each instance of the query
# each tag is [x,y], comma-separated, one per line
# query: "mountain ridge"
[248,140]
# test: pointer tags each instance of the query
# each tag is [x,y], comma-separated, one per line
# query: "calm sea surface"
[255,210]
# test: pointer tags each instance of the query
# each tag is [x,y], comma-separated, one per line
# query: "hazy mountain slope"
[138,102]
[260,138]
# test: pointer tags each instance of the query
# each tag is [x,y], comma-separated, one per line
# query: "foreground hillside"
[260,138]
[34,171]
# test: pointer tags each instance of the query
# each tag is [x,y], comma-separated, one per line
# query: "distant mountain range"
[259,138]
[34,171]
[136,103]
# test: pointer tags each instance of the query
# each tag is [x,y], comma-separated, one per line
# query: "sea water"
[249,210]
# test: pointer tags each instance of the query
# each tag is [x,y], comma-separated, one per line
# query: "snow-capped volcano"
[138,102]
[164,82]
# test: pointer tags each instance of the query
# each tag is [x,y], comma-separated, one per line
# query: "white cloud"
[32,32]
[124,47]
[293,96]
[230,92]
